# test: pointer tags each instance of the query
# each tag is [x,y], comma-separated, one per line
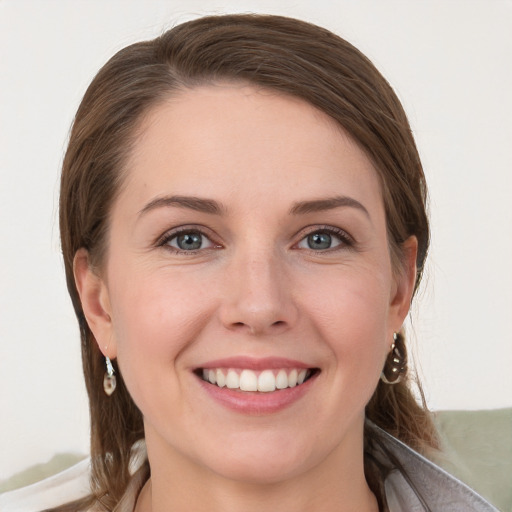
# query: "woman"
[243,226]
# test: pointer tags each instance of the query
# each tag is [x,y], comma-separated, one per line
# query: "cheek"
[155,317]
[153,305]
[351,312]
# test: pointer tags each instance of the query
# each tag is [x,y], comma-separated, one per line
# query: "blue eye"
[189,241]
[324,239]
[319,241]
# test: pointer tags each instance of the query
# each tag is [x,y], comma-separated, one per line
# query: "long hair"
[281,54]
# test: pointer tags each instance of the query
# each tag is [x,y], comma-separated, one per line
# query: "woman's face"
[247,246]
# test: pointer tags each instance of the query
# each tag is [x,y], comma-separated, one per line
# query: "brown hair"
[286,55]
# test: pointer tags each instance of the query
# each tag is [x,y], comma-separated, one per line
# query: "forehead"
[220,138]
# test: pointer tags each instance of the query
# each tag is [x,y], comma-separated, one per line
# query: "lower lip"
[257,403]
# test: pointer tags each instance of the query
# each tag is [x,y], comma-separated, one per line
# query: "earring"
[109,381]
[396,363]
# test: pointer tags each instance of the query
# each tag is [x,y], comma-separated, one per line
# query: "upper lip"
[252,363]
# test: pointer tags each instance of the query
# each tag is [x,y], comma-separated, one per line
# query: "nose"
[257,296]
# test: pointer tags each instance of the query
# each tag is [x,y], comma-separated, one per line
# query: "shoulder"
[417,484]
[73,484]
[68,485]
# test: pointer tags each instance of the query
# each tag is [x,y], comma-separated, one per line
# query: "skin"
[255,288]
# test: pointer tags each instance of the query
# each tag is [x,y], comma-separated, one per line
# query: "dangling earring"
[109,381]
[396,363]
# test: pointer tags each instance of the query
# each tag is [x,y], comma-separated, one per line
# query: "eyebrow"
[194,203]
[319,205]
[215,208]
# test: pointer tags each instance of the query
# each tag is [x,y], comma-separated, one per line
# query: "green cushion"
[55,465]
[477,448]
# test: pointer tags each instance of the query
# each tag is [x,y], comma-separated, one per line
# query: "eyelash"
[346,241]
[165,240]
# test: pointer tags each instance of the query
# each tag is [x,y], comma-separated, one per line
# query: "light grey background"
[450,63]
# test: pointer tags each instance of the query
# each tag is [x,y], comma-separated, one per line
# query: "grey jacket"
[418,485]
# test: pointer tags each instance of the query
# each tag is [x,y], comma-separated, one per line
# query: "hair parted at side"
[281,54]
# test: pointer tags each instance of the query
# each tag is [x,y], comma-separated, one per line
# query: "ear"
[95,301]
[405,280]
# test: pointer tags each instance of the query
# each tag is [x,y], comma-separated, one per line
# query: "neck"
[336,485]
[234,498]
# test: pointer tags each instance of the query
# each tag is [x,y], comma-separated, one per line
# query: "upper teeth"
[249,380]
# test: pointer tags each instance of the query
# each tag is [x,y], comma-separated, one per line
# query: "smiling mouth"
[265,381]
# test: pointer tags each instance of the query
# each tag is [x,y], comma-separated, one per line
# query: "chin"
[261,470]
[262,459]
